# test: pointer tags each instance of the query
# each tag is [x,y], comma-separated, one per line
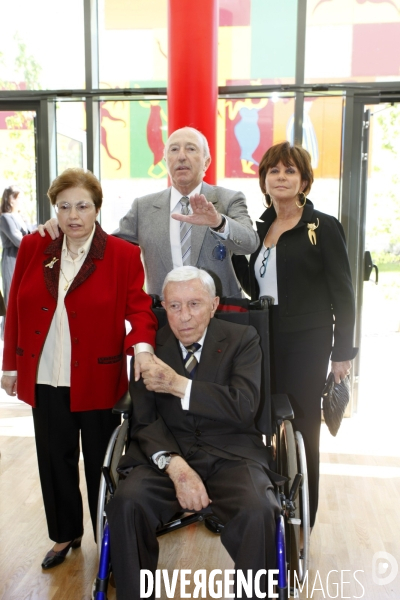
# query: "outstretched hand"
[190,490]
[204,212]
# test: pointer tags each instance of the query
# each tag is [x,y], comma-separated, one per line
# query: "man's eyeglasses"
[81,207]
[264,263]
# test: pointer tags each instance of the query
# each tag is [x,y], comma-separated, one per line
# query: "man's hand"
[142,359]
[190,490]
[204,212]
[340,369]
[159,377]
[51,226]
[9,384]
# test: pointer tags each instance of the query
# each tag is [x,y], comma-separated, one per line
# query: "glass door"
[18,159]
[380,331]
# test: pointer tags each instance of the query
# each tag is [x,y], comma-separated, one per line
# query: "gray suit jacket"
[148,222]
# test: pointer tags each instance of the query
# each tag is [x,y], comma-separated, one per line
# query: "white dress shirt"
[185,401]
[55,361]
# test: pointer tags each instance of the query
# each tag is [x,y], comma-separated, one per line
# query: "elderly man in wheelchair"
[204,436]
[194,442]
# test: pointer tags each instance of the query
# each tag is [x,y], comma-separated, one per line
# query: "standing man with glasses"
[191,222]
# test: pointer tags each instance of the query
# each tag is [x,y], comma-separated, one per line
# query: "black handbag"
[335,398]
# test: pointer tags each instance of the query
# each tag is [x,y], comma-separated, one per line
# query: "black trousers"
[242,498]
[57,442]
[299,364]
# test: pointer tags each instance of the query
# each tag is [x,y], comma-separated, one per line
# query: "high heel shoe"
[52,558]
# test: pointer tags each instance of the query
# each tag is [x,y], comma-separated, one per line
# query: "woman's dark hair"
[71,178]
[10,192]
[289,156]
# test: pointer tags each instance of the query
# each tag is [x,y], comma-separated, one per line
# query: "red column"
[192,70]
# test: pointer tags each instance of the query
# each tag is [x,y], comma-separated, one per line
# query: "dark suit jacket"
[314,282]
[223,404]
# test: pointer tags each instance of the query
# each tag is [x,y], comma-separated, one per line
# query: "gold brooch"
[52,262]
[311,232]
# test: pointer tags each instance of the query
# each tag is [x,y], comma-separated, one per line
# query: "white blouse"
[268,284]
[55,360]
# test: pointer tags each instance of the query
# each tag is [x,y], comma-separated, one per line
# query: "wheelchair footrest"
[179,523]
[214,525]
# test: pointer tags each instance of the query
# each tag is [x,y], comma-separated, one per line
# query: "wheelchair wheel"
[113,454]
[304,505]
[291,462]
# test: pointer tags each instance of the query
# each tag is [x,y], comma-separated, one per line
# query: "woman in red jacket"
[65,347]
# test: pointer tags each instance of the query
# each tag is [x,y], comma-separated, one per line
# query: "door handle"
[369,267]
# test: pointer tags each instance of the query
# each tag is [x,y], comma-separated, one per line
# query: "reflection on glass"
[69,153]
[42,44]
[322,130]
[133,43]
[256,42]
[71,135]
[133,135]
[352,40]
[247,127]
[18,158]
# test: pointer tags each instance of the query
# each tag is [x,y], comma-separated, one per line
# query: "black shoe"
[52,558]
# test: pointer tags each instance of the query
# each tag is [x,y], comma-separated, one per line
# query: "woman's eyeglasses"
[81,207]
[264,263]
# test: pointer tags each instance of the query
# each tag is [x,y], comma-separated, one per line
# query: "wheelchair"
[286,454]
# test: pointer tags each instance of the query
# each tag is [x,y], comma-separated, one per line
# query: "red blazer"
[106,291]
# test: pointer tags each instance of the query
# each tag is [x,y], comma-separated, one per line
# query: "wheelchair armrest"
[262,303]
[281,407]
[124,406]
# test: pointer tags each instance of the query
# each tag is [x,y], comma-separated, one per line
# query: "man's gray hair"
[186,274]
[206,148]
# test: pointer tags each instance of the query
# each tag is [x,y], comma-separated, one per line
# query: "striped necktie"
[186,232]
[191,361]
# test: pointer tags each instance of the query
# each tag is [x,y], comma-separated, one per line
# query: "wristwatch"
[164,459]
[220,226]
